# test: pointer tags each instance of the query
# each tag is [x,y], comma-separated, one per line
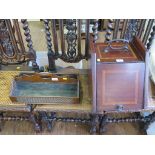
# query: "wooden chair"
[13,53]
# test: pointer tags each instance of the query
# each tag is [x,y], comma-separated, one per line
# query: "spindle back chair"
[12,49]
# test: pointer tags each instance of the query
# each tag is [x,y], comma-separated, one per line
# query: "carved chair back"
[127,28]
[65,41]
[67,33]
[12,50]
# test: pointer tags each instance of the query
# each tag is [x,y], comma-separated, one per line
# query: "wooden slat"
[61,28]
[79,36]
[109,30]
[116,28]
[124,28]
[148,29]
[55,38]
[20,39]
[141,28]
[87,39]
[151,38]
[1,48]
[95,30]
[12,37]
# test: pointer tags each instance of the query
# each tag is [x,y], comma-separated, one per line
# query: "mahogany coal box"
[118,74]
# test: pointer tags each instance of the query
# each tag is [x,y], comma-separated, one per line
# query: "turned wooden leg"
[53,114]
[51,62]
[1,120]
[149,126]
[103,122]
[36,122]
[94,123]
[45,118]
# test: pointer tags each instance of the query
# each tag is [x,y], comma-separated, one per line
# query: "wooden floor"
[26,128]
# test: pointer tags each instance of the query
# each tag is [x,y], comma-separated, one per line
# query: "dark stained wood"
[12,37]
[31,54]
[8,43]
[138,48]
[119,85]
[20,39]
[79,36]
[46,77]
[141,28]
[95,116]
[148,29]
[112,55]
[12,51]
[1,48]
[109,30]
[95,30]
[61,29]
[94,123]
[151,38]
[136,51]
[116,28]
[60,128]
[87,39]
[125,22]
[55,38]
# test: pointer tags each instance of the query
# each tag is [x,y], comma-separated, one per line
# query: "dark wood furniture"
[45,88]
[119,74]
[21,111]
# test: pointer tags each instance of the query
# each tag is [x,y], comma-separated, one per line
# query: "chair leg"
[44,117]
[51,62]
[94,123]
[102,124]
[48,122]
[36,122]
[1,120]
[149,126]
[53,114]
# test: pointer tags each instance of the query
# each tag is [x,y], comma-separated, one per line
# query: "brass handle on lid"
[124,47]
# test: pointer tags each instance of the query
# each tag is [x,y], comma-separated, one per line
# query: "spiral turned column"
[95,30]
[132,29]
[151,38]
[71,38]
[31,53]
[109,30]
[51,59]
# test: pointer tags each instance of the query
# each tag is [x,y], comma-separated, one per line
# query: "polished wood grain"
[112,55]
[135,52]
[47,77]
[120,84]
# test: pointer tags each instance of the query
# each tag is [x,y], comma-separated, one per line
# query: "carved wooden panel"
[12,50]
[120,85]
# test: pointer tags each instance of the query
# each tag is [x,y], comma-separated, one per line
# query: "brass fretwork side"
[5,85]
